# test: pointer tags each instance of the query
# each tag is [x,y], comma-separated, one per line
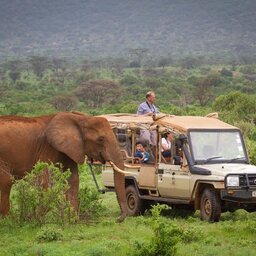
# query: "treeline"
[39,85]
[42,85]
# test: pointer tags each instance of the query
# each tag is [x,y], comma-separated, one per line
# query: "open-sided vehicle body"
[208,170]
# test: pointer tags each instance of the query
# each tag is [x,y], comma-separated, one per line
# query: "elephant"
[64,137]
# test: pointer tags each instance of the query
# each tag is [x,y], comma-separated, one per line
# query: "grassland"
[234,235]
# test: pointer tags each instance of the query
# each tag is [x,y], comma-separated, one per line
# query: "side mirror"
[183,139]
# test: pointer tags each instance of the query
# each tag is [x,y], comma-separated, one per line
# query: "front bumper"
[239,195]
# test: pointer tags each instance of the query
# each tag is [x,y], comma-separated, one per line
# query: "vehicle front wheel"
[134,203]
[210,207]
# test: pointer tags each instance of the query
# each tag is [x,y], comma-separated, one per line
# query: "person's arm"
[140,110]
[146,156]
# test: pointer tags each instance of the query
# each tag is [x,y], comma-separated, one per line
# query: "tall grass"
[234,235]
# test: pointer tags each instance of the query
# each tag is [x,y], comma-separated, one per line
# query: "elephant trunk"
[119,180]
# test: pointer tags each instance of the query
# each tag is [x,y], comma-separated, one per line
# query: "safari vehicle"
[208,170]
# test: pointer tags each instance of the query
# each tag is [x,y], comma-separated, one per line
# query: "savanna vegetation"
[42,226]
[39,225]
[41,85]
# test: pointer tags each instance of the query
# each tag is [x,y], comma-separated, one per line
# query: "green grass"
[235,234]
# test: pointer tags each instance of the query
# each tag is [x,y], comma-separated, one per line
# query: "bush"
[251,147]
[226,72]
[33,202]
[48,234]
[165,237]
[90,203]
[129,79]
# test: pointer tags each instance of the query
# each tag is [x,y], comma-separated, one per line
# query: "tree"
[165,61]
[138,55]
[64,102]
[14,75]
[118,64]
[202,91]
[96,93]
[236,106]
[39,64]
[13,65]
[226,72]
[58,63]
[190,62]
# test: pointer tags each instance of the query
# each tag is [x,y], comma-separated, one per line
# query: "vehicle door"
[173,181]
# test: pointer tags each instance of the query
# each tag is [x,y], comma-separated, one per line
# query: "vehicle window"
[217,145]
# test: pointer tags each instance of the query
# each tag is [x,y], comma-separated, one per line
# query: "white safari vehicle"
[208,169]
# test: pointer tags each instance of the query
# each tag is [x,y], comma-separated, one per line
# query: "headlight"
[233,181]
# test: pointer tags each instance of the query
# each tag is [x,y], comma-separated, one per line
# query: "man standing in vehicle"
[147,108]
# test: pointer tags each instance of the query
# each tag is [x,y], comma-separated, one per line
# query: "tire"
[210,207]
[134,203]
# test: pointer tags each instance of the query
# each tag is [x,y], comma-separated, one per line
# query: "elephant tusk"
[116,168]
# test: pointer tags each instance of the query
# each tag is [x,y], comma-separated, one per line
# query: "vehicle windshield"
[217,146]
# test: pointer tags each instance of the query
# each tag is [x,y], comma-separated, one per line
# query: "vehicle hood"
[224,169]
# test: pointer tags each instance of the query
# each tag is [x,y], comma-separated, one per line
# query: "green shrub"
[251,148]
[49,234]
[191,234]
[165,238]
[33,202]
[90,205]
[226,72]
[129,79]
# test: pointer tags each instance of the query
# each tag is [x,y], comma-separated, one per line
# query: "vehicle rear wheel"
[134,203]
[210,206]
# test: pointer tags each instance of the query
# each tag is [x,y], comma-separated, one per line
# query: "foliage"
[14,75]
[40,196]
[96,93]
[136,30]
[236,106]
[234,234]
[129,79]
[251,147]
[49,234]
[248,69]
[226,72]
[64,102]
[202,91]
[90,204]
[106,86]
[165,237]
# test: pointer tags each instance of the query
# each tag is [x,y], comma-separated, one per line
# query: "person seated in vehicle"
[141,154]
[167,145]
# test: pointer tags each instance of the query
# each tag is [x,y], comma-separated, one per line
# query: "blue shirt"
[146,107]
[140,155]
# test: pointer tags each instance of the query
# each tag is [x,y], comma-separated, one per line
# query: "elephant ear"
[64,134]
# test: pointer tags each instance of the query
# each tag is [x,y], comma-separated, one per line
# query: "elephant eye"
[101,140]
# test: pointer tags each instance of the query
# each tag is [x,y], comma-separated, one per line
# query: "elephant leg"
[119,180]
[5,201]
[72,194]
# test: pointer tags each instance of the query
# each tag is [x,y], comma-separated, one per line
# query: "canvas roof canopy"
[164,121]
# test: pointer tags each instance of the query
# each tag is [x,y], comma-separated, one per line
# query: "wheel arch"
[199,188]
[130,180]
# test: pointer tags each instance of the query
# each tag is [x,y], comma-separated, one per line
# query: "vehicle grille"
[247,180]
